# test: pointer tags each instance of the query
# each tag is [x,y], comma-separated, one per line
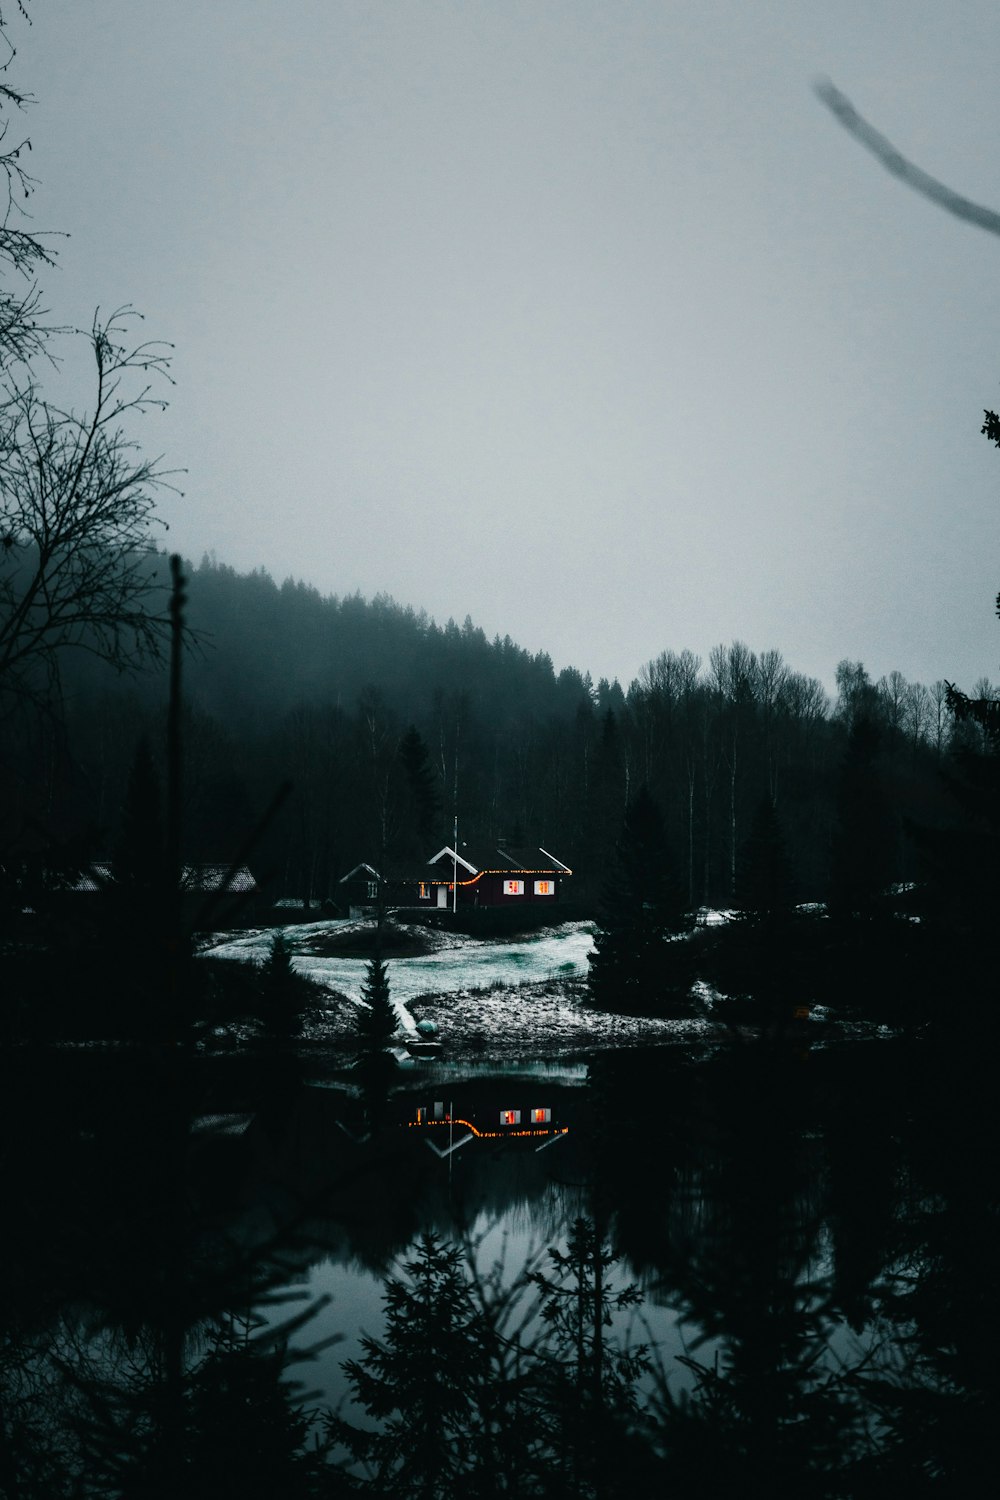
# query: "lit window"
[545,887]
[510,1117]
[422,1114]
[513,887]
[541,1116]
[423,891]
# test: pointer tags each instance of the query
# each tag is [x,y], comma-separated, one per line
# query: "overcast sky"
[584,319]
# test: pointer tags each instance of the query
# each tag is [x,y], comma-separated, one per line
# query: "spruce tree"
[379,1021]
[636,966]
[282,992]
[587,1390]
[862,854]
[139,859]
[129,988]
[423,791]
[422,1382]
[764,959]
[764,876]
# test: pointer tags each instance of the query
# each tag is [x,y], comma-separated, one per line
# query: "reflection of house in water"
[491,1115]
[352,1177]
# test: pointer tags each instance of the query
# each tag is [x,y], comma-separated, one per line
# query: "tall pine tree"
[639,964]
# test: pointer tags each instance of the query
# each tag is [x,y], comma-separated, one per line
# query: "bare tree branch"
[77,502]
[23,334]
[897,164]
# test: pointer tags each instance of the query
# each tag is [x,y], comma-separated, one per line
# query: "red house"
[490,877]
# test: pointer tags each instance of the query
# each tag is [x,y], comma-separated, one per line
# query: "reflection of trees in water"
[825,1225]
[126,1336]
[485,1386]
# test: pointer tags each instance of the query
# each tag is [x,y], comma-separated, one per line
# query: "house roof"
[472,863]
[363,870]
[503,861]
[453,856]
[234,879]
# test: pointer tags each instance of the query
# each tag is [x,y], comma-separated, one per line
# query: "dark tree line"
[385,723]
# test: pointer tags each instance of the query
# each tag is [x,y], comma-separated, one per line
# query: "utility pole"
[454,850]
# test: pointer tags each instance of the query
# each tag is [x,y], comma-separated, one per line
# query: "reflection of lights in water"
[487,1135]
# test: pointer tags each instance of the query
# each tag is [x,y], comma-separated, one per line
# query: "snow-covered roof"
[367,869]
[504,861]
[232,878]
[95,877]
[451,854]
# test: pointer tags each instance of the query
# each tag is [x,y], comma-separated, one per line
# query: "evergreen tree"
[862,855]
[764,875]
[763,959]
[283,992]
[420,1382]
[126,986]
[139,860]
[637,966]
[605,800]
[424,799]
[247,1434]
[585,1380]
[379,1021]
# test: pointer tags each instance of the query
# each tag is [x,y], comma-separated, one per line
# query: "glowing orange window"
[541,1116]
[545,887]
[513,887]
[510,1117]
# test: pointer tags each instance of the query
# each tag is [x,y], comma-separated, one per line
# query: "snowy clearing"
[457,962]
[485,997]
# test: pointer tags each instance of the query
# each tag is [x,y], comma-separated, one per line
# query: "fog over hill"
[388,724]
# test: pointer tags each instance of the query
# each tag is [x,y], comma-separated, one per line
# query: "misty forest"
[329,1172]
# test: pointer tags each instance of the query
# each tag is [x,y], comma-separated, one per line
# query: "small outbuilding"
[212,895]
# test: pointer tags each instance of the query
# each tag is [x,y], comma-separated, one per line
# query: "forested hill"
[386,723]
[265,645]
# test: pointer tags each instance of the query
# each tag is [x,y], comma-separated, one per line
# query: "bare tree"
[891,692]
[771,676]
[22,253]
[918,712]
[76,511]
[857,697]
[940,716]
[734,676]
[76,496]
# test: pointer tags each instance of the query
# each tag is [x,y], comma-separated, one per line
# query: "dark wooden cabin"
[499,877]
[491,877]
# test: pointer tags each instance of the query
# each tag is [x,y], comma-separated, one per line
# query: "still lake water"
[815,1233]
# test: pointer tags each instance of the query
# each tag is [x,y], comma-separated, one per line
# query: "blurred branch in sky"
[897,164]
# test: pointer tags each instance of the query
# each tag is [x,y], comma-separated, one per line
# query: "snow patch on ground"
[543,1017]
[457,962]
[488,998]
